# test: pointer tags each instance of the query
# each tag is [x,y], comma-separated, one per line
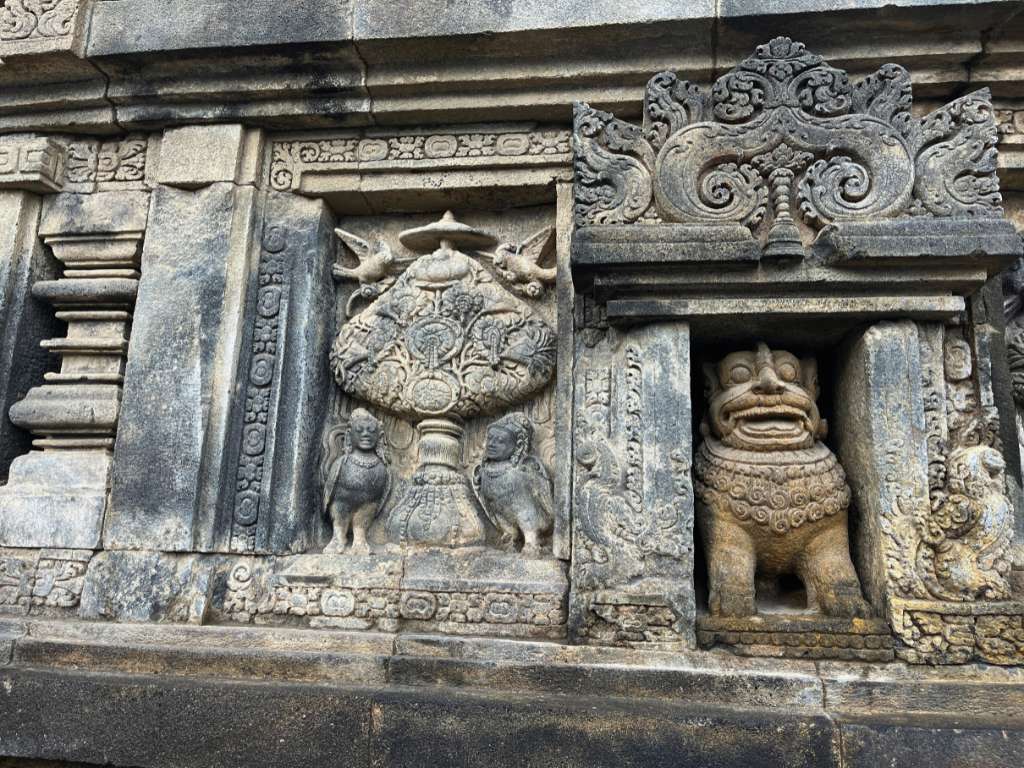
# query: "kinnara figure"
[513,485]
[772,498]
[357,481]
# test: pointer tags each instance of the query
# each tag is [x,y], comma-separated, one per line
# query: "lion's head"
[763,401]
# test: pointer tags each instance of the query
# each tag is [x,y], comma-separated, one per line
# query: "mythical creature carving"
[772,498]
[374,272]
[784,123]
[444,343]
[965,536]
[356,479]
[514,486]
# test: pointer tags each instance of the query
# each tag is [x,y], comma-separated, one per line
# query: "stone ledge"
[528,668]
[158,722]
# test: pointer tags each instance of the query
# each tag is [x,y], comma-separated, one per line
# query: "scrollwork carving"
[867,157]
[613,165]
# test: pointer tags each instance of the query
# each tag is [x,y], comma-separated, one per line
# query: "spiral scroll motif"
[834,189]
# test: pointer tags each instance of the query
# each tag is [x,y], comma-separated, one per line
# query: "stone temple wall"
[511,383]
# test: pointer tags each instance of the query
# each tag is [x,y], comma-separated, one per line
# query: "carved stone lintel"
[293,159]
[784,124]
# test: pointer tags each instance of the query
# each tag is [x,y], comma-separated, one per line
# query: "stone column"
[170,466]
[56,496]
[882,440]
[632,556]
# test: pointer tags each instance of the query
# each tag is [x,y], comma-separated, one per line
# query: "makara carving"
[514,486]
[444,342]
[773,498]
[356,480]
[782,125]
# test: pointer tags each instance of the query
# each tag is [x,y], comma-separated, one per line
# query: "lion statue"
[772,499]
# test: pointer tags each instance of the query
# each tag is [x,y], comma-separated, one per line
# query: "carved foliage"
[49,578]
[867,156]
[466,347]
[24,19]
[95,161]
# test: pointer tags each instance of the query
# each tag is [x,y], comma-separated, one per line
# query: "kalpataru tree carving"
[785,123]
[443,343]
[514,486]
[773,498]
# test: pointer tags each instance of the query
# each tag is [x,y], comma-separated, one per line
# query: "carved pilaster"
[57,494]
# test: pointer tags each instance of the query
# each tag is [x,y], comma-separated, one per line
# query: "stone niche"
[799,262]
[396,463]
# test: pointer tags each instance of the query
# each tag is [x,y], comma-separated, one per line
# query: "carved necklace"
[359,461]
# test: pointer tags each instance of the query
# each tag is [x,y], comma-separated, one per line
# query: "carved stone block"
[454,592]
[799,637]
[195,264]
[42,581]
[632,566]
[33,164]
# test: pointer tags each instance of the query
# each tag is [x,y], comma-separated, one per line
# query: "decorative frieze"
[292,158]
[471,594]
[32,581]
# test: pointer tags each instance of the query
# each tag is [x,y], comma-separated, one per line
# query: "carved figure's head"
[364,430]
[976,471]
[763,401]
[509,438]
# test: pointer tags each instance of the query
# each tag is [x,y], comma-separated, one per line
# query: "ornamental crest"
[781,136]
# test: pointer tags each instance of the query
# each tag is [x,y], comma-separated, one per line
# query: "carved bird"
[374,262]
[519,264]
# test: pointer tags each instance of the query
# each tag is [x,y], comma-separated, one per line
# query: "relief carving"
[949,556]
[23,19]
[773,498]
[443,343]
[357,480]
[514,486]
[784,123]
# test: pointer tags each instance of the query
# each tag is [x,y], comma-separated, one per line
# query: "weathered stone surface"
[178,381]
[148,586]
[880,432]
[135,26]
[196,156]
[35,164]
[55,499]
[632,565]
[272,501]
